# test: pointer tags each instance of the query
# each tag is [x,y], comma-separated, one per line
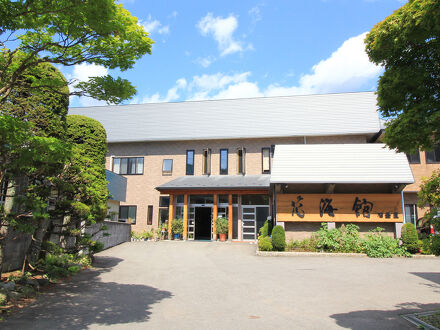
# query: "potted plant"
[158,234]
[164,230]
[221,225]
[177,228]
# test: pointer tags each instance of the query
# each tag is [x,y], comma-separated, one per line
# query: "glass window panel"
[164,201]
[248,210]
[167,166]
[224,161]
[163,216]
[433,156]
[262,214]
[234,199]
[235,222]
[223,199]
[190,162]
[413,158]
[255,200]
[180,199]
[124,165]
[266,160]
[131,165]
[248,216]
[116,165]
[179,212]
[240,161]
[248,230]
[140,165]
[150,215]
[132,213]
[123,212]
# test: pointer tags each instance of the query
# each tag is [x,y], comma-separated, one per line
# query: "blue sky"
[232,49]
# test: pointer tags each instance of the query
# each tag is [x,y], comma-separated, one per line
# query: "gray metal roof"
[280,116]
[218,182]
[339,163]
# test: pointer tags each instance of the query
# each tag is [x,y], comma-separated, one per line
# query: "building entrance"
[203,223]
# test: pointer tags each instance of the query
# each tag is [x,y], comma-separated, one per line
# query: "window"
[413,158]
[411,213]
[150,215]
[206,166]
[167,167]
[241,161]
[164,203]
[127,214]
[433,156]
[190,162]
[265,160]
[223,161]
[128,165]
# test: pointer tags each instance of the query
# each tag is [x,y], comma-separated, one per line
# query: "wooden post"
[170,215]
[214,218]
[231,215]
[185,217]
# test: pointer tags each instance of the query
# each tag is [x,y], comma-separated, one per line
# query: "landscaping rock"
[28,291]
[14,295]
[32,282]
[9,286]
[43,281]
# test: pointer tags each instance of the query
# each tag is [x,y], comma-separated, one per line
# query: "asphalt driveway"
[201,285]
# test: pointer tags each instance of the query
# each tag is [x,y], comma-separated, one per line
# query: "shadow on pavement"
[84,300]
[382,319]
[433,277]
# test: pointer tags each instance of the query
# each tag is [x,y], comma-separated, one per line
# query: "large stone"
[28,291]
[43,281]
[14,295]
[9,286]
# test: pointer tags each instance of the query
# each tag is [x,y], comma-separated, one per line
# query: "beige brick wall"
[141,188]
[420,171]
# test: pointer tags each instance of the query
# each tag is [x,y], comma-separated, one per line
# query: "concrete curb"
[327,254]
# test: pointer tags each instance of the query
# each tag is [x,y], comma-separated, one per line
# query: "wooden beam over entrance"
[170,215]
[230,218]
[217,191]
[185,217]
[214,218]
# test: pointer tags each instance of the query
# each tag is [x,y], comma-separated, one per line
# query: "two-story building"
[302,160]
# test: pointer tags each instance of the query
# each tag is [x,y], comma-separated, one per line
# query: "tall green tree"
[69,32]
[407,45]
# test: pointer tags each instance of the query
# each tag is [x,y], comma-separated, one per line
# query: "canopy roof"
[339,163]
[215,182]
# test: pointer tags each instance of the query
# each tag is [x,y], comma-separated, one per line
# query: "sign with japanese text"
[339,207]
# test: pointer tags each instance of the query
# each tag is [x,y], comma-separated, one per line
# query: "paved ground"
[200,285]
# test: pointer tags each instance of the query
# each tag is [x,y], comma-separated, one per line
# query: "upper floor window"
[206,166]
[190,162]
[414,158]
[127,214]
[223,161]
[167,167]
[433,156]
[241,161]
[128,165]
[265,160]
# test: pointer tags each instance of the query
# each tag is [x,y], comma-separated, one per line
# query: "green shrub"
[278,238]
[379,245]
[265,243]
[266,230]
[425,246]
[410,238]
[328,239]
[306,245]
[435,245]
[95,247]
[350,241]
[221,225]
[177,226]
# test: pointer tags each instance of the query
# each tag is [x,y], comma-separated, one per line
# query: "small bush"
[435,245]
[278,238]
[96,246]
[425,246]
[351,241]
[221,225]
[265,243]
[410,238]
[379,245]
[328,239]
[306,245]
[266,230]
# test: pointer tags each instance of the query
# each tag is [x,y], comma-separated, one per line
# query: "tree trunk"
[34,250]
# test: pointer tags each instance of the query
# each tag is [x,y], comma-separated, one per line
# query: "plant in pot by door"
[177,228]
[221,225]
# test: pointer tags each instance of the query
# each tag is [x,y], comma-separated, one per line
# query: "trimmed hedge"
[278,238]
[266,230]
[410,238]
[265,243]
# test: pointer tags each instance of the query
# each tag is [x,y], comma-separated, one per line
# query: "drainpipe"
[305,140]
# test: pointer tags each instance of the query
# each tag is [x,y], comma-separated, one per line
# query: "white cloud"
[347,69]
[173,14]
[222,30]
[152,25]
[205,61]
[256,16]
